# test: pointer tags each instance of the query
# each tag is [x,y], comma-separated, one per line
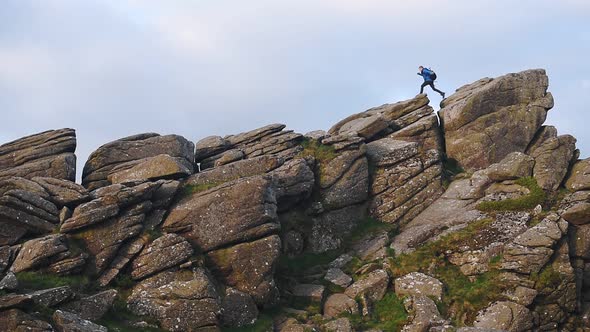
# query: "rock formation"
[390,221]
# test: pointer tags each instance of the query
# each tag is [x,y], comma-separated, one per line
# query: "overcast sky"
[115,68]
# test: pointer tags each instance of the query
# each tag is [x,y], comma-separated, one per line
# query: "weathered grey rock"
[418,284]
[579,178]
[514,165]
[158,167]
[107,157]
[25,212]
[210,146]
[63,192]
[245,207]
[575,208]
[329,230]
[166,251]
[423,314]
[372,246]
[310,292]
[237,309]
[292,182]
[18,321]
[505,315]
[69,322]
[248,267]
[456,207]
[7,256]
[256,134]
[109,202]
[373,285]
[36,252]
[552,160]
[10,301]
[521,295]
[386,118]
[488,119]
[579,241]
[47,154]
[9,282]
[351,188]
[339,325]
[102,241]
[389,151]
[181,301]
[317,135]
[557,298]
[92,307]
[337,304]
[338,277]
[52,296]
[233,171]
[123,257]
[474,255]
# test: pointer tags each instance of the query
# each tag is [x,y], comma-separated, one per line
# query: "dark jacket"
[426,74]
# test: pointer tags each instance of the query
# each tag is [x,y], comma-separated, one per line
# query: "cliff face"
[388,221]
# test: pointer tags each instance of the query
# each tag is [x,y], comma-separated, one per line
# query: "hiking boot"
[443,95]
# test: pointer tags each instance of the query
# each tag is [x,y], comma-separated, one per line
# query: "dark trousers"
[431,83]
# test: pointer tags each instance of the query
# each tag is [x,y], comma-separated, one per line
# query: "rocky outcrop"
[47,154]
[183,300]
[486,120]
[139,157]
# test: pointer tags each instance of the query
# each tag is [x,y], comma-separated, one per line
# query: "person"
[429,76]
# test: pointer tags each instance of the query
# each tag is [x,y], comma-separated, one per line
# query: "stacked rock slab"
[47,154]
[404,147]
[215,151]
[140,157]
[486,120]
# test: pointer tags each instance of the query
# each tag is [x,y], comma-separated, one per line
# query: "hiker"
[429,77]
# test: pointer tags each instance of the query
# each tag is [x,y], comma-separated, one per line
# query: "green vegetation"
[298,265]
[38,280]
[313,148]
[462,296]
[197,188]
[535,197]
[547,278]
[388,314]
[264,323]
[119,317]
[370,226]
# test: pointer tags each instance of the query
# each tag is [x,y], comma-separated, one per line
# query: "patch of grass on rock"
[313,148]
[388,314]
[527,202]
[38,280]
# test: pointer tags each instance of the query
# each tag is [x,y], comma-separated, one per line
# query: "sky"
[113,68]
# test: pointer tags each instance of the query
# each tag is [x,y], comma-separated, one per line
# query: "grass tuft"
[535,197]
[37,280]
[388,314]
[313,148]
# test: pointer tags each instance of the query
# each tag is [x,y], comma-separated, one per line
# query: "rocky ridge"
[389,221]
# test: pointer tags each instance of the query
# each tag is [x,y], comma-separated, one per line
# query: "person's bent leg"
[422,87]
[437,90]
